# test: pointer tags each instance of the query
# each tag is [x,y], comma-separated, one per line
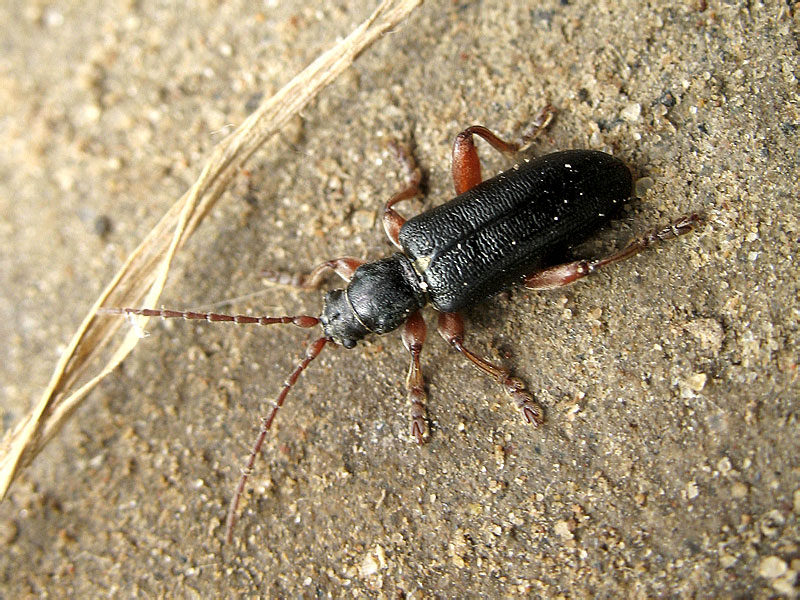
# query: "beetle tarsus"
[419,424]
[531,410]
[515,388]
[539,123]
[564,274]
[414,332]
[451,328]
[392,220]
[465,163]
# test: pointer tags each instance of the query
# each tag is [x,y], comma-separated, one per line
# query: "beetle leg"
[451,328]
[466,165]
[564,274]
[344,267]
[392,220]
[413,338]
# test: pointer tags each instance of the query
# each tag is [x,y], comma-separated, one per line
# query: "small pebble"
[772,523]
[8,532]
[726,561]
[102,225]
[369,566]
[739,490]
[561,529]
[632,112]
[692,491]
[786,585]
[642,185]
[772,567]
[697,381]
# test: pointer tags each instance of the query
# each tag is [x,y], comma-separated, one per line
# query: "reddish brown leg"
[451,328]
[564,274]
[266,422]
[414,332]
[344,267]
[466,165]
[392,220]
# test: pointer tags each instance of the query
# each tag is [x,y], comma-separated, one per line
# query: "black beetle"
[492,234]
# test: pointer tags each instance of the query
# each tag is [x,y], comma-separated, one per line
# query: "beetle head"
[339,321]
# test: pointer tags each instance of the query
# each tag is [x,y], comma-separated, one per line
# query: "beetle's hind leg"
[465,163]
[392,220]
[344,267]
[564,274]
[451,328]
[414,332]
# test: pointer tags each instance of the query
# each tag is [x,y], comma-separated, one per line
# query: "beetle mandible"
[492,234]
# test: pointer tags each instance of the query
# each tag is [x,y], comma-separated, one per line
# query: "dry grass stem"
[141,279]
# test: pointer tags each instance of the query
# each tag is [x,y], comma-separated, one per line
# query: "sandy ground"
[668,465]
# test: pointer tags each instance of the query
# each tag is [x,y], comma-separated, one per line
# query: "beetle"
[492,234]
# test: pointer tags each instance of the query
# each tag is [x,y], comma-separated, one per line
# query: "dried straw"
[140,280]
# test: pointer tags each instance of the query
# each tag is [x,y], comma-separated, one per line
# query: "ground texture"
[668,465]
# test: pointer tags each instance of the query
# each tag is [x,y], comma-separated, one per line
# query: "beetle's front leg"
[451,328]
[414,332]
[564,274]
[344,267]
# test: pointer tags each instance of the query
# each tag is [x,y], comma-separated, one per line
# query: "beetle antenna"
[299,320]
[312,352]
